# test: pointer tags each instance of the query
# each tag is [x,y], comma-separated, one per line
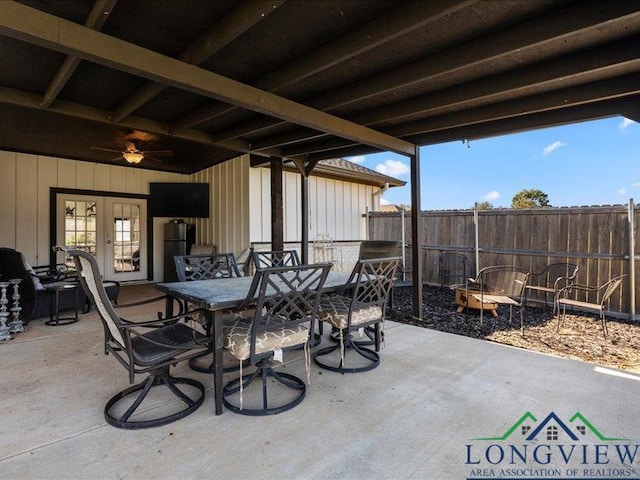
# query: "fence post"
[632,260]
[404,268]
[475,225]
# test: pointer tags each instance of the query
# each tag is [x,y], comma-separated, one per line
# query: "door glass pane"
[126,228]
[80,225]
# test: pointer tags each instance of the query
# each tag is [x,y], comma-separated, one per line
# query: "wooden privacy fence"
[597,239]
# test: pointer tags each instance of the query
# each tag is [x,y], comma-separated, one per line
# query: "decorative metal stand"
[4,314]
[16,324]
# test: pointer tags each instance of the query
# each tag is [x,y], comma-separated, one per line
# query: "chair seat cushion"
[172,336]
[335,311]
[238,339]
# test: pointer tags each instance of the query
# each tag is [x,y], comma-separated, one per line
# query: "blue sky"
[588,163]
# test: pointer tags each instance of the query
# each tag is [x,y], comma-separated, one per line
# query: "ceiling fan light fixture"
[133,157]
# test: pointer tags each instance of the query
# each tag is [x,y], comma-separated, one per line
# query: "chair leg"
[263,373]
[346,346]
[153,380]
[603,320]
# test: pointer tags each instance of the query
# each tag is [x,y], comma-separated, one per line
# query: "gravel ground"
[580,336]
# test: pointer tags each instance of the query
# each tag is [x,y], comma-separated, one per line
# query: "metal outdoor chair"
[206,267]
[275,258]
[209,267]
[499,285]
[551,279]
[602,295]
[453,269]
[362,302]
[285,312]
[151,348]
[378,249]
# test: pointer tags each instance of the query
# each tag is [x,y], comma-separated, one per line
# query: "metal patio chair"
[149,347]
[551,280]
[285,313]
[602,295]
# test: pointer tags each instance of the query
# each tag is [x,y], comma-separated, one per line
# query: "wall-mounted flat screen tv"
[179,200]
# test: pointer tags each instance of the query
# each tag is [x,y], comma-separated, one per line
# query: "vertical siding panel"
[66,173]
[8,182]
[102,177]
[26,205]
[47,175]
[338,205]
[84,174]
[118,179]
[132,180]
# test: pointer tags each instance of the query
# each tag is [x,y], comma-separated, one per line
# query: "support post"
[416,235]
[632,260]
[277,211]
[304,205]
[476,236]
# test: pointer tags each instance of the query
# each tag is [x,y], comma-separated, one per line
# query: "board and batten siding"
[229,217]
[25,183]
[336,207]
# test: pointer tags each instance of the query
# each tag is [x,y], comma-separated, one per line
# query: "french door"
[114,229]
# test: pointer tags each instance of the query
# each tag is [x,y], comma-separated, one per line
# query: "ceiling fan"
[130,151]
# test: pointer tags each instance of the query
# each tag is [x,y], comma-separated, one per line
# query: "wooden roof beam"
[399,22]
[625,86]
[578,19]
[33,26]
[98,15]
[241,19]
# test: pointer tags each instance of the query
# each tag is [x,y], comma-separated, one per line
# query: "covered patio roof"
[305,80]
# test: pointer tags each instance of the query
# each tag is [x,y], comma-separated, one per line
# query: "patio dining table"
[223,294]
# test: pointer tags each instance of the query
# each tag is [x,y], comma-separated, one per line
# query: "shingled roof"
[342,169]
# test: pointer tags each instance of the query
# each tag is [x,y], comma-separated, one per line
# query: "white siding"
[228,227]
[25,182]
[336,207]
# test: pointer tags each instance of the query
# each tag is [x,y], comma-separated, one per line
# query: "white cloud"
[622,191]
[636,184]
[550,148]
[625,123]
[393,168]
[356,159]
[492,195]
[384,201]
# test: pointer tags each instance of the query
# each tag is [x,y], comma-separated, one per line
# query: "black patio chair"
[274,258]
[149,347]
[285,312]
[362,303]
[500,285]
[453,269]
[602,295]
[209,267]
[550,280]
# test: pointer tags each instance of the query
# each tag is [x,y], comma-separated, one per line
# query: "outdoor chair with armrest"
[362,302]
[552,279]
[284,315]
[149,347]
[602,292]
[501,285]
[453,269]
[275,258]
[209,267]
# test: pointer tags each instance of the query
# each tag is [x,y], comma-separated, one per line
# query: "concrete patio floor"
[412,417]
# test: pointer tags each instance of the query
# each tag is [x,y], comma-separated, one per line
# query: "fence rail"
[599,239]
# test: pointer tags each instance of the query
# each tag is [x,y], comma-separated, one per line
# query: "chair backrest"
[374,279]
[378,249]
[206,267]
[91,281]
[551,273]
[610,287]
[286,296]
[453,268]
[275,258]
[504,280]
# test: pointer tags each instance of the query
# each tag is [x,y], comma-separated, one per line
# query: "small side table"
[54,290]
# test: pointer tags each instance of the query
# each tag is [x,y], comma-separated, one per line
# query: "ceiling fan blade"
[153,158]
[105,149]
[161,153]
